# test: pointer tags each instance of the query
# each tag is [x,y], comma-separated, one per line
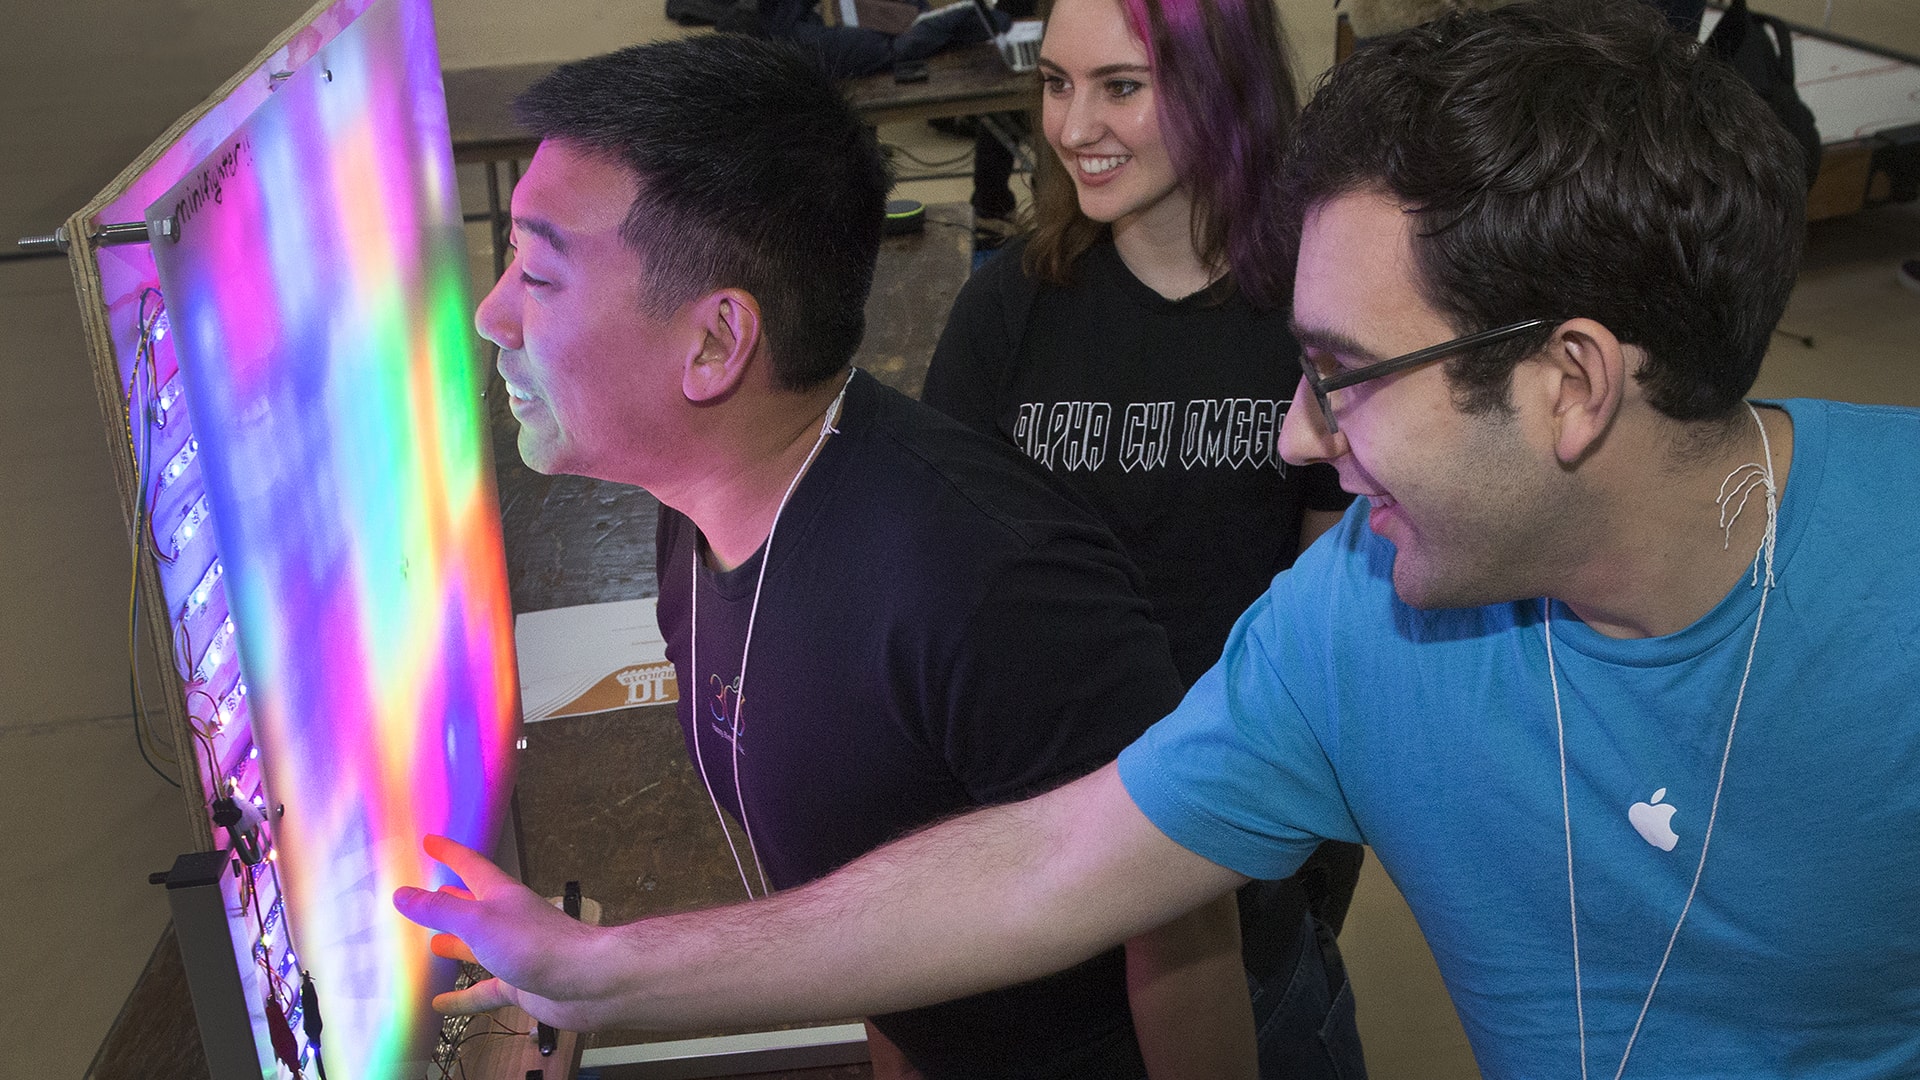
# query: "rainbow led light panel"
[315,287]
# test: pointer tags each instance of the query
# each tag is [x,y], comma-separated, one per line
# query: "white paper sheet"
[592,658]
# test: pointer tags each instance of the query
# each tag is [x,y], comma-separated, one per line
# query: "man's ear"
[1582,373]
[728,321]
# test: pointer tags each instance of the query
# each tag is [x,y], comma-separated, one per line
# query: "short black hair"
[1573,158]
[754,173]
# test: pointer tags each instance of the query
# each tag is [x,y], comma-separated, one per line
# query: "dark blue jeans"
[1304,1018]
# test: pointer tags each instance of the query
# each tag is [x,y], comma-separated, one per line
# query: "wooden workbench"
[967,81]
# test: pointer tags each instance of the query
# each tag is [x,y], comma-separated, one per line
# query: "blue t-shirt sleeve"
[1243,771]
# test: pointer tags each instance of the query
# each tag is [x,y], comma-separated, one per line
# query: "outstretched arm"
[995,897]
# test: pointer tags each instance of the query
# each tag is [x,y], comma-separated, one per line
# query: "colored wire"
[137,449]
[944,163]
[213,776]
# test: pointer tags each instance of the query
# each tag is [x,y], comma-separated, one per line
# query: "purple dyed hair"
[1223,85]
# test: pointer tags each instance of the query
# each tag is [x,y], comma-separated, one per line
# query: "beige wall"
[1310,25]
[474,33]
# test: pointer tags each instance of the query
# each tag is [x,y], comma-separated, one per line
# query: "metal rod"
[56,241]
[131,232]
[126,232]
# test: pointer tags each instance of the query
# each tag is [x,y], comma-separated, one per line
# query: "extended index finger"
[474,869]
[445,909]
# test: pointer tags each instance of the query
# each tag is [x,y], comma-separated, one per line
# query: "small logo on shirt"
[1654,821]
[725,708]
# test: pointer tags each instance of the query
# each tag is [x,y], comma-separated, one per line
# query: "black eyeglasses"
[1321,387]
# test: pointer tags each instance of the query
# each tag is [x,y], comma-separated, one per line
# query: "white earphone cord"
[740,680]
[1738,483]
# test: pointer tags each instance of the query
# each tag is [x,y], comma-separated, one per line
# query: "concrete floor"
[88,84]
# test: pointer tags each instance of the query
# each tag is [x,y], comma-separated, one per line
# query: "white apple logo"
[1653,820]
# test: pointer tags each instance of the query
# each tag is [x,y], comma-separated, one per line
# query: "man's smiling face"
[1469,505]
[589,372]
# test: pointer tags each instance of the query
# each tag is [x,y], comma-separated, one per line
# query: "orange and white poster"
[592,658]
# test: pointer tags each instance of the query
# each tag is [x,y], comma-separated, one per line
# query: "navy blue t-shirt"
[941,627]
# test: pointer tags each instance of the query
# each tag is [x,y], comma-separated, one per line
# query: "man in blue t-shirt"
[1614,669]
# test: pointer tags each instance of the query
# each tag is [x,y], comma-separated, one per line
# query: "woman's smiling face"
[1098,113]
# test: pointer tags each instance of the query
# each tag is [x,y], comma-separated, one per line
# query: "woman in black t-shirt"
[1134,343]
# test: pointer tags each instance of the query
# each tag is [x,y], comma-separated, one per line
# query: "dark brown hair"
[1223,86]
[1572,158]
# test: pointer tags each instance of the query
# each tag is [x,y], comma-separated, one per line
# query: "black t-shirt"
[940,627]
[1163,414]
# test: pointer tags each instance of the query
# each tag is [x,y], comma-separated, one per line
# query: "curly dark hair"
[1572,158]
